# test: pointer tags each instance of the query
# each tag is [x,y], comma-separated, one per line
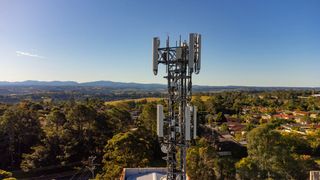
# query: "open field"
[203,98]
[149,99]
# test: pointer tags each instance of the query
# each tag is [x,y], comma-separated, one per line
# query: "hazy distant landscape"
[107,90]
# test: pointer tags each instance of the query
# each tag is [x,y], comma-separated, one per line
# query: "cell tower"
[176,129]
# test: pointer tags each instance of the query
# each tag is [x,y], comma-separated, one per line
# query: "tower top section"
[190,52]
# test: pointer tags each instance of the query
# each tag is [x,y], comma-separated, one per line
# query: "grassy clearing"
[148,99]
[203,98]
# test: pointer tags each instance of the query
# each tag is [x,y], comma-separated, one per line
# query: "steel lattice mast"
[174,131]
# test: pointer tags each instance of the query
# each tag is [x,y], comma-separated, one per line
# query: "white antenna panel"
[188,124]
[199,54]
[195,122]
[179,53]
[191,51]
[155,54]
[160,118]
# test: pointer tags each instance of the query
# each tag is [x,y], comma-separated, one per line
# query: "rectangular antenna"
[179,53]
[195,122]
[187,123]
[191,51]
[199,53]
[155,54]
[160,118]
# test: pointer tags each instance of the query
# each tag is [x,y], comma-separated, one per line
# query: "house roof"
[143,174]
[147,176]
[235,126]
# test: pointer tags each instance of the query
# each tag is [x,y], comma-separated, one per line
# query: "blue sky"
[245,42]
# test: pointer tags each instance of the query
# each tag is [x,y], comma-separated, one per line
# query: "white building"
[143,174]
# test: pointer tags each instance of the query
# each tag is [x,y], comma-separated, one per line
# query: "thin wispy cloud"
[22,53]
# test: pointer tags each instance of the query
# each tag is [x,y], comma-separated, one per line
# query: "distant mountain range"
[110,84]
[39,83]
[131,85]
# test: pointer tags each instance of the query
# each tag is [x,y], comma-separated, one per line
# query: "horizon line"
[79,82]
